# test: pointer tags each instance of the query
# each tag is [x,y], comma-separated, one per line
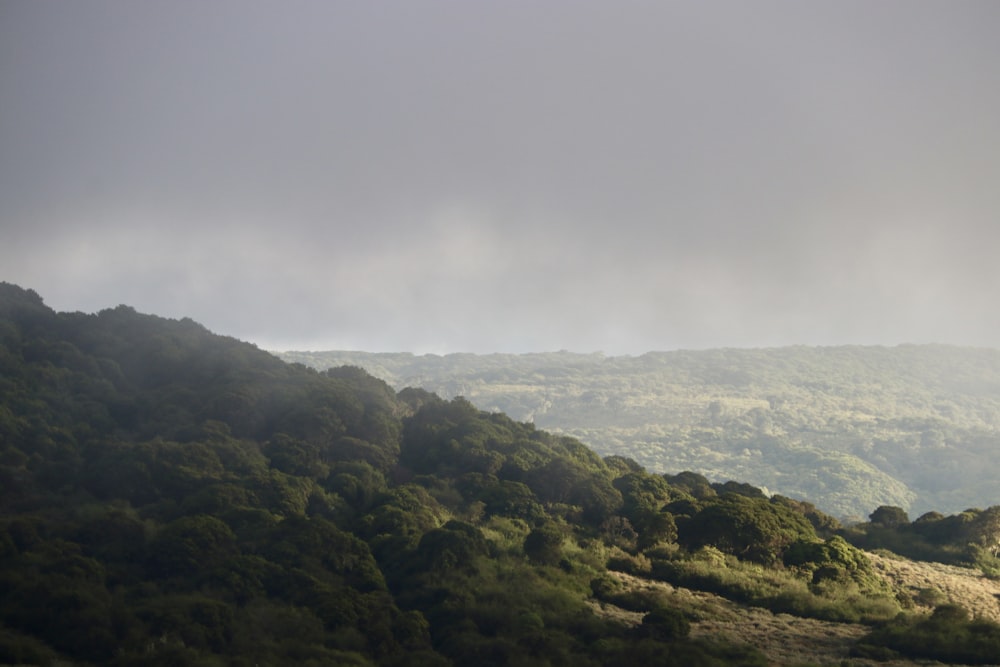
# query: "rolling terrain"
[850,428]
[170,496]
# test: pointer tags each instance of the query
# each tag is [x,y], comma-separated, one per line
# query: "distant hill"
[850,428]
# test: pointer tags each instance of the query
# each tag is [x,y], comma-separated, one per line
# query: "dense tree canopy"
[169,496]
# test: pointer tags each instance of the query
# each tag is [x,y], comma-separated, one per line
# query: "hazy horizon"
[444,176]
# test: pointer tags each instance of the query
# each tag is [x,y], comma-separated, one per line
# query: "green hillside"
[173,497]
[850,428]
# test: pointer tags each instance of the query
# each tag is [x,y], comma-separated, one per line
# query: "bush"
[543,545]
[620,561]
[665,624]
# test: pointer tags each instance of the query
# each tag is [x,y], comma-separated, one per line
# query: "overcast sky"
[428,176]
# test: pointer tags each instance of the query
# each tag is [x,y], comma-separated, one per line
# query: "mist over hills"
[169,496]
[850,428]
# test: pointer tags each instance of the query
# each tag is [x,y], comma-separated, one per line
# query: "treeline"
[850,428]
[168,496]
[968,538]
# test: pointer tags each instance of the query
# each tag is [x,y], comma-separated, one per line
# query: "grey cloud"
[509,176]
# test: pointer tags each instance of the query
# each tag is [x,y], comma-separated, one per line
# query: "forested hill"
[850,427]
[173,497]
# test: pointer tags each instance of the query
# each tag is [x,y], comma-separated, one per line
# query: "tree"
[692,483]
[665,624]
[543,545]
[655,527]
[985,530]
[191,544]
[889,516]
[619,531]
[513,499]
[598,499]
[750,528]
[454,546]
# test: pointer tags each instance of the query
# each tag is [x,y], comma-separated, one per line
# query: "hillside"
[849,428]
[173,497]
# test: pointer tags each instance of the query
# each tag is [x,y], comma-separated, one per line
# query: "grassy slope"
[790,640]
[929,582]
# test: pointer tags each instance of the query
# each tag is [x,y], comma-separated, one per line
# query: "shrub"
[543,545]
[625,562]
[665,624]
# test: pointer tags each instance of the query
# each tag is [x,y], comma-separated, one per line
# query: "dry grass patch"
[791,641]
[932,584]
[784,639]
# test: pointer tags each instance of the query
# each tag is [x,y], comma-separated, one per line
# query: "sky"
[515,176]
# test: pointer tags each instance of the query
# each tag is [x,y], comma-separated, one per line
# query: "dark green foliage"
[544,544]
[621,465]
[692,483]
[190,544]
[60,597]
[824,524]
[17,648]
[513,499]
[971,537]
[168,494]
[454,546]
[171,497]
[357,482]
[597,498]
[665,624]
[645,499]
[739,488]
[948,635]
[319,547]
[889,517]
[751,528]
[834,561]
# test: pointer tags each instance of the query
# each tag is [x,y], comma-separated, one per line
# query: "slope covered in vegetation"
[169,496]
[849,428]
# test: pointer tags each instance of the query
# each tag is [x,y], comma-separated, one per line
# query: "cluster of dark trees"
[971,537]
[169,496]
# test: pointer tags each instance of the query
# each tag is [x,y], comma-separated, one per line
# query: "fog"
[517,176]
